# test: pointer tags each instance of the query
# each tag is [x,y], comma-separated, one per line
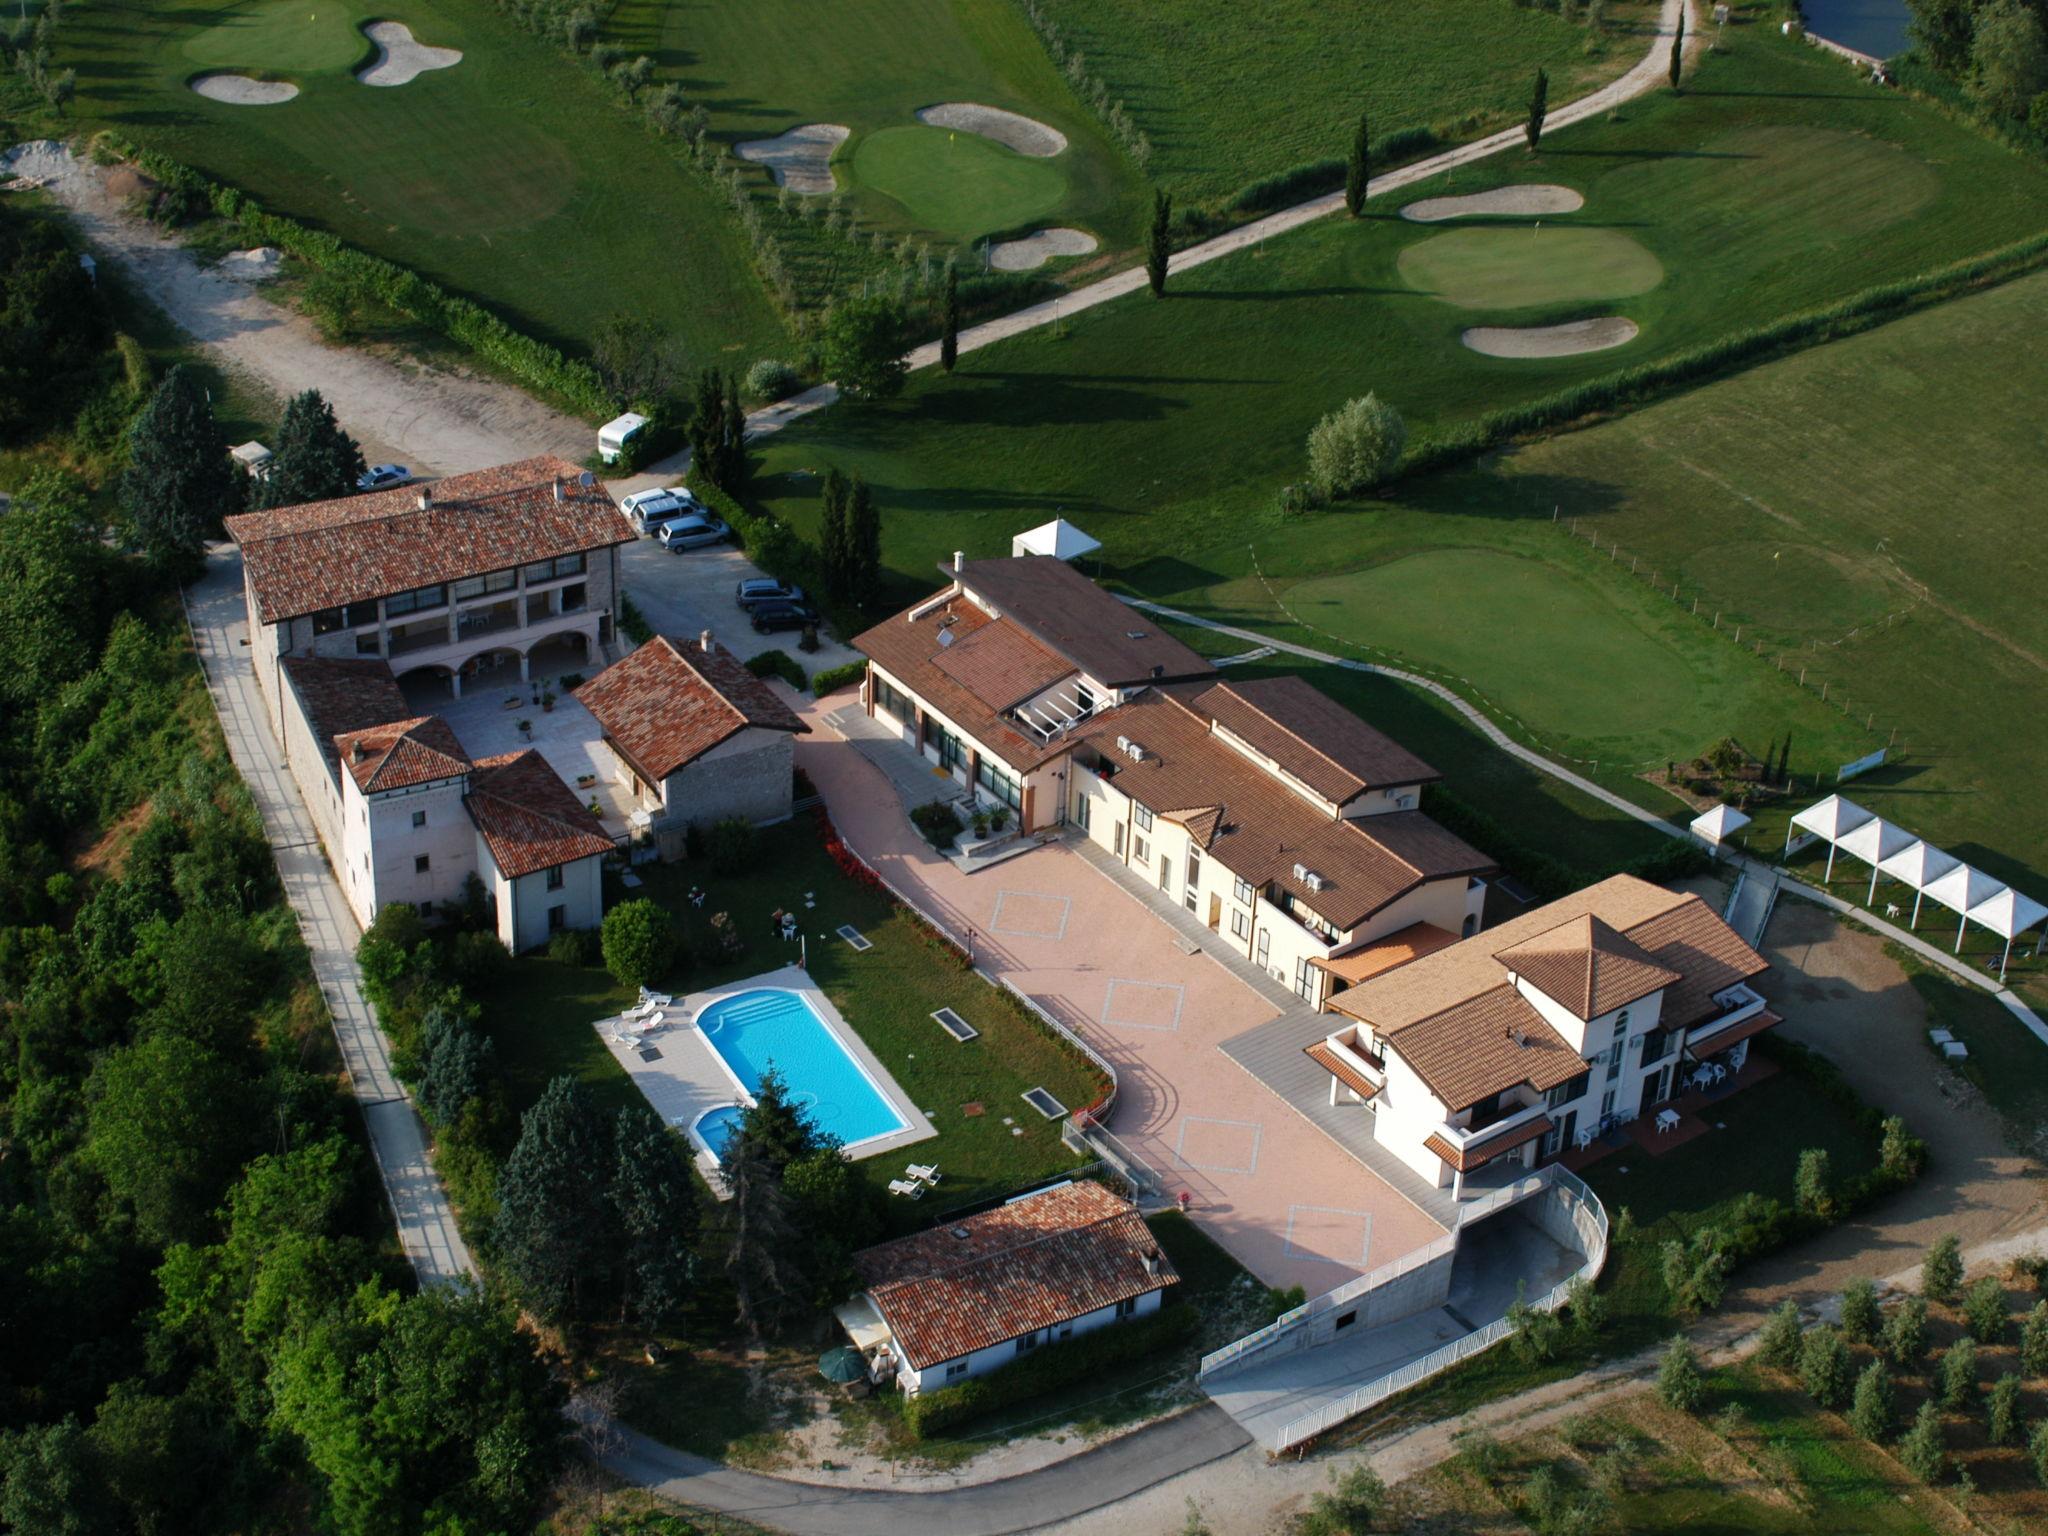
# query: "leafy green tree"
[1782,1334]
[2034,1340]
[1905,1336]
[1539,107]
[555,1242]
[1358,170]
[1355,447]
[314,459]
[639,942]
[147,1446]
[1941,33]
[833,549]
[1356,1500]
[179,482]
[655,1206]
[1861,1319]
[1159,242]
[54,327]
[2037,1452]
[1679,1383]
[2002,1410]
[1959,1373]
[455,1065]
[1984,1312]
[1923,1451]
[1941,1272]
[1900,1153]
[1824,1368]
[863,545]
[1696,1270]
[167,1130]
[836,1208]
[1872,1411]
[52,590]
[1588,1309]
[50,1482]
[864,348]
[949,339]
[2008,57]
[1810,1183]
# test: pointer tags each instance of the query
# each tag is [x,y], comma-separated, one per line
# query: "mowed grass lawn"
[510,177]
[541,1017]
[1229,92]
[765,67]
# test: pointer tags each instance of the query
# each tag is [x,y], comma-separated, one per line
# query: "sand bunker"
[1567,340]
[1025,135]
[800,159]
[244,91]
[400,60]
[251,266]
[1500,202]
[1039,247]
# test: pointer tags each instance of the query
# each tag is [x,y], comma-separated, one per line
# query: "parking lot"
[690,592]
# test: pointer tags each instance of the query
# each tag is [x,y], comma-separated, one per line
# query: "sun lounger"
[924,1173]
[656,999]
[907,1187]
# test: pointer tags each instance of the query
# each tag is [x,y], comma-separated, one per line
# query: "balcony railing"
[1464,1137]
[487,621]
[424,638]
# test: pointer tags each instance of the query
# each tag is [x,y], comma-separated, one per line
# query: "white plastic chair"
[924,1173]
[908,1188]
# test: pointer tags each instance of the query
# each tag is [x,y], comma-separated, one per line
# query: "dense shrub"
[778,663]
[1905,1336]
[1679,1383]
[833,678]
[1870,1414]
[1778,1343]
[772,379]
[574,946]
[1355,447]
[1923,1451]
[939,823]
[1048,1368]
[1959,1373]
[1824,1368]
[1861,1319]
[1941,1272]
[731,846]
[1984,1312]
[639,942]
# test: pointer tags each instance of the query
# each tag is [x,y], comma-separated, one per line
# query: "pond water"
[1875,27]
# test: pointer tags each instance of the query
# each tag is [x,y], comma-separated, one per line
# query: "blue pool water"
[769,1027]
[715,1125]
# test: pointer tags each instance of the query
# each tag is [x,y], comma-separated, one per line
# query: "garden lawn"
[542,1017]
[763,68]
[511,177]
[1228,92]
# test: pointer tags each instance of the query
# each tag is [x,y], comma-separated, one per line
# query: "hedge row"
[778,663]
[1049,1368]
[1858,312]
[372,279]
[1547,875]
[833,678]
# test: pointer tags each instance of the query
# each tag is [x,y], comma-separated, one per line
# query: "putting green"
[1554,651]
[285,36]
[1524,265]
[955,183]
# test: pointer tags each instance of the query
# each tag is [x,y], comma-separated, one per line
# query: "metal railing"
[1582,1202]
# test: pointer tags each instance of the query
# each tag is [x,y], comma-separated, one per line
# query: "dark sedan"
[769,617]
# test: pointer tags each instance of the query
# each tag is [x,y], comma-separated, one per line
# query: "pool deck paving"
[1285,1200]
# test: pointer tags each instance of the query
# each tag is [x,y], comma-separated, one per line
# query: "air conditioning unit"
[1132,750]
[1301,874]
[1123,743]
[1312,880]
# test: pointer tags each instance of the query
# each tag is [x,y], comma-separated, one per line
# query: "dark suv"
[769,617]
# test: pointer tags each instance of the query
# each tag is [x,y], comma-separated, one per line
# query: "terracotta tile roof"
[529,819]
[1320,1053]
[1071,615]
[1397,948]
[1034,1263]
[1588,967]
[1267,828]
[1710,956]
[1312,736]
[671,701]
[1711,1040]
[326,553]
[341,696]
[402,753]
[1480,1153]
[1000,664]
[1482,1045]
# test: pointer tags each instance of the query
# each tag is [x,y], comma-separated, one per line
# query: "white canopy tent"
[1058,538]
[1830,818]
[1714,827]
[1962,889]
[1918,865]
[2009,914]
[1874,842]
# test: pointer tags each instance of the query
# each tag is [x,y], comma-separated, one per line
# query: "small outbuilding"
[966,1298]
[253,457]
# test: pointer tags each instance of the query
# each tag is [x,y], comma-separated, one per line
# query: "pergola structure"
[1894,852]
[1716,825]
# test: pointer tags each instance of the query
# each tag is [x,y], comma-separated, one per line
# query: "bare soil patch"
[1566,340]
[244,90]
[1039,247]
[400,59]
[1501,202]
[800,159]
[1012,130]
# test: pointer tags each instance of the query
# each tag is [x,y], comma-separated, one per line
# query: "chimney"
[704,640]
[359,751]
[426,499]
[1150,1258]
[959,560]
[558,487]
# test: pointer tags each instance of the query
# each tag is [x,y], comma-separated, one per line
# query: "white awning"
[1963,888]
[1918,865]
[2008,914]
[1058,538]
[1875,841]
[1720,823]
[1832,817]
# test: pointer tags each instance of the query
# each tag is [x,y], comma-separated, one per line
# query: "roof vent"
[959,558]
[359,751]
[558,487]
[1519,1035]
[426,498]
[1134,634]
[1158,670]
[960,1233]
[704,640]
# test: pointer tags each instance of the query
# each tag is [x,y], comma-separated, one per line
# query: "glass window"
[955,1369]
[1144,819]
[1128,1307]
[891,701]
[1614,1060]
[1141,851]
[558,918]
[1029,1342]
[356,615]
[556,569]
[326,621]
[419,865]
[1000,782]
[1304,978]
[1081,811]
[1242,890]
[1240,923]
[419,600]
[419,818]
[1621,1024]
[1564,1093]
[554,882]
[1265,944]
[371,644]
[479,586]
[573,598]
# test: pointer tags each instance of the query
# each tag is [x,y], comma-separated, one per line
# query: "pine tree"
[1358,172]
[949,344]
[763,1256]
[1539,104]
[1678,48]
[655,1206]
[832,542]
[1159,242]
[180,480]
[552,1233]
[775,1128]
[315,460]
[863,546]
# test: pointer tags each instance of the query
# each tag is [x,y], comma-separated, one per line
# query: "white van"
[613,436]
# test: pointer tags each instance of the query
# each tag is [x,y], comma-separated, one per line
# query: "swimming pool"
[715,1127]
[773,1027]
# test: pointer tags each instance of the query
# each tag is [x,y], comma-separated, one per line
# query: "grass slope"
[501,177]
[1229,92]
[763,68]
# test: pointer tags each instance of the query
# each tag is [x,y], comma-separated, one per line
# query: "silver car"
[692,531]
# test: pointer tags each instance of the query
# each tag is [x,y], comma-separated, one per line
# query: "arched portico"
[429,685]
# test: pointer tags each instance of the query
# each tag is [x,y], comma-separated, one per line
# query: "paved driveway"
[685,594]
[1289,1203]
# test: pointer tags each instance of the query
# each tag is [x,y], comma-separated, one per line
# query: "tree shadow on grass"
[1042,401]
[1652,154]
[1278,295]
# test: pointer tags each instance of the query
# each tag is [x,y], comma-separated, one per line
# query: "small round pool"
[714,1128]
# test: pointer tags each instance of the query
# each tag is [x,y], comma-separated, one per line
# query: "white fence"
[1588,1216]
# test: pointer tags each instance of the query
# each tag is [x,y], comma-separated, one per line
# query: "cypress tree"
[1158,242]
[552,1231]
[1678,48]
[707,427]
[179,479]
[1358,173]
[949,344]
[655,1206]
[863,545]
[1539,104]
[316,460]
[732,457]
[832,544]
